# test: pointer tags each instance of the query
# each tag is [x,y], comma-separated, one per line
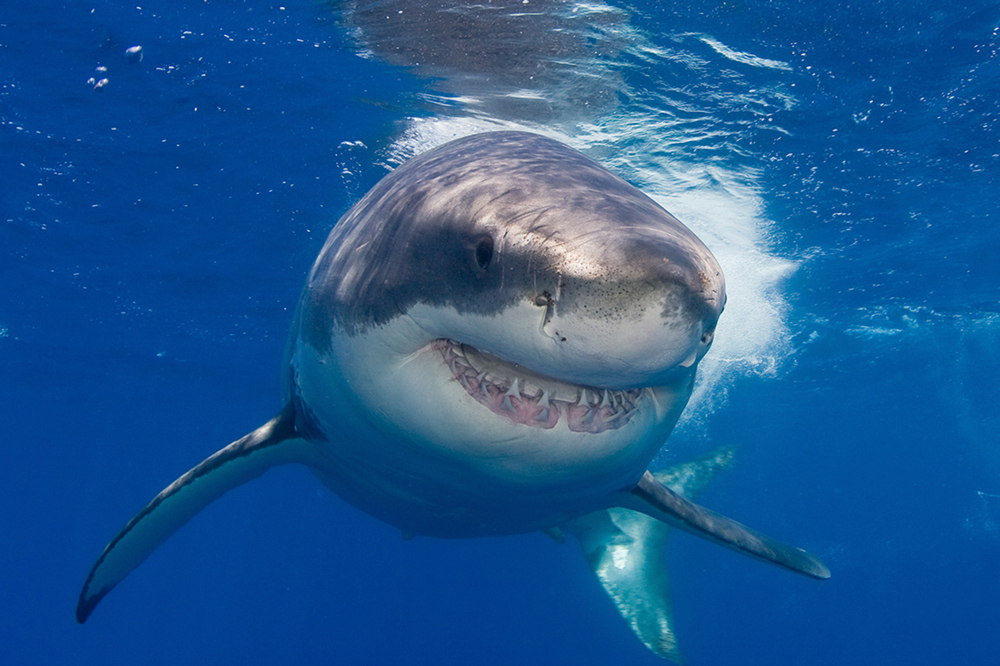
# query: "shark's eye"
[484,252]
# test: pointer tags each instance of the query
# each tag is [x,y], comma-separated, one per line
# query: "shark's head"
[505,319]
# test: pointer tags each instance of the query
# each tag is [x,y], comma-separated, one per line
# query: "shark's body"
[496,339]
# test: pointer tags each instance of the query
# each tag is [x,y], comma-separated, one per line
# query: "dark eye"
[484,252]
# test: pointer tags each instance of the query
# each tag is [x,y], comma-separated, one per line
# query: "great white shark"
[496,339]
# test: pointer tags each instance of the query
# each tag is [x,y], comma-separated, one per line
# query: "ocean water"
[160,208]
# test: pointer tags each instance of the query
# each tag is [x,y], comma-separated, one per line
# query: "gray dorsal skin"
[625,549]
[496,339]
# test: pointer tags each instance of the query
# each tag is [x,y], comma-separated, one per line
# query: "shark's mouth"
[531,399]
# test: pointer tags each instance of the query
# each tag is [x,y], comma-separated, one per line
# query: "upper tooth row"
[518,387]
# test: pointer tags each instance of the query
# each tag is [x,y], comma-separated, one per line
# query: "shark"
[496,339]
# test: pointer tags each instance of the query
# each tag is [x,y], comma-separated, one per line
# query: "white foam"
[752,337]
[422,134]
[741,57]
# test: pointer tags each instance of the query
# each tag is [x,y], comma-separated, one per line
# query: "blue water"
[841,159]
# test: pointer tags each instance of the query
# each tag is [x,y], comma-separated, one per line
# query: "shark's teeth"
[514,391]
[533,400]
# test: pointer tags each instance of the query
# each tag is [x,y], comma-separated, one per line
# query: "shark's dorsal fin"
[274,443]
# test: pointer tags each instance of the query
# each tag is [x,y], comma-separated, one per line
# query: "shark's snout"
[630,307]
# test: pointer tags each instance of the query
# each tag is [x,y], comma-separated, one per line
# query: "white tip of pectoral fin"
[274,443]
[625,549]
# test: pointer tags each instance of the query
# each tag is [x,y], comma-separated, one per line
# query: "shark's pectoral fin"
[656,500]
[274,443]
